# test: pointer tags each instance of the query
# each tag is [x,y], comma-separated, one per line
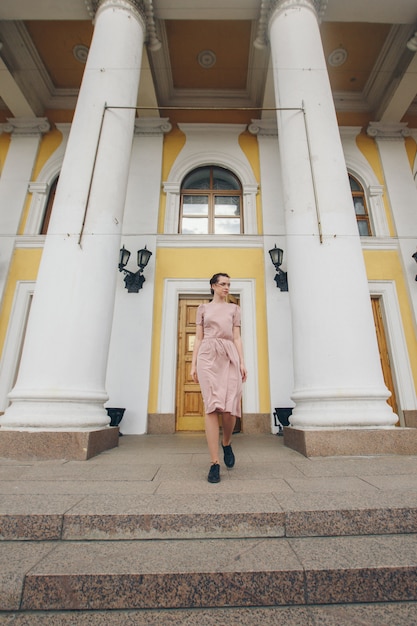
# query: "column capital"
[264,128]
[26,126]
[388,131]
[144,8]
[152,126]
[269,7]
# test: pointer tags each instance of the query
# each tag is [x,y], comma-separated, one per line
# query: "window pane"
[227,205]
[359,206]
[363,228]
[224,226]
[222,179]
[198,179]
[194,226]
[354,185]
[195,205]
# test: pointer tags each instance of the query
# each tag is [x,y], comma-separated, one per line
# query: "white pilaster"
[61,382]
[337,374]
[26,134]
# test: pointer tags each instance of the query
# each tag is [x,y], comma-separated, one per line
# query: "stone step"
[395,613]
[159,574]
[38,518]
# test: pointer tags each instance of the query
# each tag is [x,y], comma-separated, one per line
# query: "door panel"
[189,405]
[384,352]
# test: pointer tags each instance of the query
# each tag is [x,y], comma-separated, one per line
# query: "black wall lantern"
[134,280]
[280,278]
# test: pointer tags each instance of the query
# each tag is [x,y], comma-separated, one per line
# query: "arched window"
[211,202]
[48,208]
[361,210]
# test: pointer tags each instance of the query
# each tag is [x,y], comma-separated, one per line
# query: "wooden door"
[189,403]
[384,352]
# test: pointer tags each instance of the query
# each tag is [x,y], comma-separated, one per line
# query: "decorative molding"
[209,241]
[152,126]
[30,241]
[188,161]
[379,243]
[388,131]
[350,131]
[268,7]
[209,129]
[264,128]
[94,5]
[143,7]
[26,126]
[38,187]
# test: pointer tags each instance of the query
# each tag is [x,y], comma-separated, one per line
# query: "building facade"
[209,136]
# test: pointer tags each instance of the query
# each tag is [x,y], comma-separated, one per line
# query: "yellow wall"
[203,263]
[4,146]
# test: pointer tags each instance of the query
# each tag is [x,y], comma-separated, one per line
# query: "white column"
[26,134]
[337,374]
[402,193]
[61,382]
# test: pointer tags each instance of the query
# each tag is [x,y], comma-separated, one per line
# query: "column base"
[351,441]
[48,445]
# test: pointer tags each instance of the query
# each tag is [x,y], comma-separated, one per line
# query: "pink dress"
[218,366]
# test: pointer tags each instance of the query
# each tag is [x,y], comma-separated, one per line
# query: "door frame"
[400,363]
[173,288]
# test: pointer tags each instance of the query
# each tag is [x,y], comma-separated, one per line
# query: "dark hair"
[215,278]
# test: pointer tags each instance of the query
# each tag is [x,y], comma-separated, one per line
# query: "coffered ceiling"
[207,58]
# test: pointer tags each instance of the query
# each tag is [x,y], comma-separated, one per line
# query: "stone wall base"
[351,442]
[410,418]
[161,423]
[69,445]
[256,423]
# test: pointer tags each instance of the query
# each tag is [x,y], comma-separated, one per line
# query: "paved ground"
[168,474]
[178,464]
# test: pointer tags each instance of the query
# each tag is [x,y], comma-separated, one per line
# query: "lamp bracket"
[133,280]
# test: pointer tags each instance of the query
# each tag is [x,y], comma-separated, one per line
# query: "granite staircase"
[212,559]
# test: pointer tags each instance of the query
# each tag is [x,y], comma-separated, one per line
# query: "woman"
[218,366]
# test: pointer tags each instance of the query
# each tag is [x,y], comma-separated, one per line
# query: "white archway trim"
[404,381]
[40,188]
[359,167]
[195,156]
[14,339]
[173,288]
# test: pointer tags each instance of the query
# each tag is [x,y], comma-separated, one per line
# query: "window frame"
[365,218]
[211,194]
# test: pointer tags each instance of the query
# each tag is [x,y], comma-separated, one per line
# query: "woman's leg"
[212,435]
[228,422]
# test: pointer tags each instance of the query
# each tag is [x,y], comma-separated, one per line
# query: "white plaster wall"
[280,355]
[128,372]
